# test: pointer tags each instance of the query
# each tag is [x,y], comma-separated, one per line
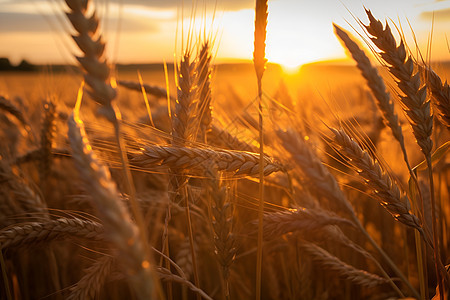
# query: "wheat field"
[214,181]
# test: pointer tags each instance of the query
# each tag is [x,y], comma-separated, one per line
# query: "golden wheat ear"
[440,93]
[120,229]
[96,68]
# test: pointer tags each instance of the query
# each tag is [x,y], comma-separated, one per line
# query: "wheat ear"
[47,136]
[415,104]
[401,65]
[8,106]
[90,284]
[322,182]
[93,62]
[440,93]
[121,230]
[386,191]
[102,89]
[224,139]
[178,158]
[300,219]
[222,224]
[25,235]
[376,85]
[184,129]
[331,262]
[325,185]
[204,71]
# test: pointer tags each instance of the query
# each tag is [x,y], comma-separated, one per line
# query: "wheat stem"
[259,61]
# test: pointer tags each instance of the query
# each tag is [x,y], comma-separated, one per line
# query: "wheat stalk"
[102,89]
[259,62]
[121,230]
[325,185]
[153,90]
[415,103]
[184,129]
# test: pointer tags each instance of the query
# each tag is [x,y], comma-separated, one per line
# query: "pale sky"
[299,31]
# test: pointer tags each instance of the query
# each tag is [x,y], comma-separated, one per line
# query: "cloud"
[17,22]
[34,23]
[439,15]
[209,4]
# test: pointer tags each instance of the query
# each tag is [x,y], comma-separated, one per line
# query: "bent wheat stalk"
[376,178]
[415,104]
[102,89]
[121,231]
[324,184]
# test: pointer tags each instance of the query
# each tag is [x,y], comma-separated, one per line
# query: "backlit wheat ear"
[416,106]
[222,222]
[401,65]
[184,129]
[47,136]
[440,93]
[375,83]
[184,121]
[376,178]
[115,217]
[204,85]
[179,158]
[259,52]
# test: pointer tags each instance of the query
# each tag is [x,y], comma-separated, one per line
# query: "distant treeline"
[5,65]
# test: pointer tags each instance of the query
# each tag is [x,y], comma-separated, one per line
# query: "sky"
[147,31]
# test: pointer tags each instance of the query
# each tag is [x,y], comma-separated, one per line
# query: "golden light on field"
[296,34]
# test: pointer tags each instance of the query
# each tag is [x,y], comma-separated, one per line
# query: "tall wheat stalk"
[259,61]
[102,88]
[416,106]
[121,230]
